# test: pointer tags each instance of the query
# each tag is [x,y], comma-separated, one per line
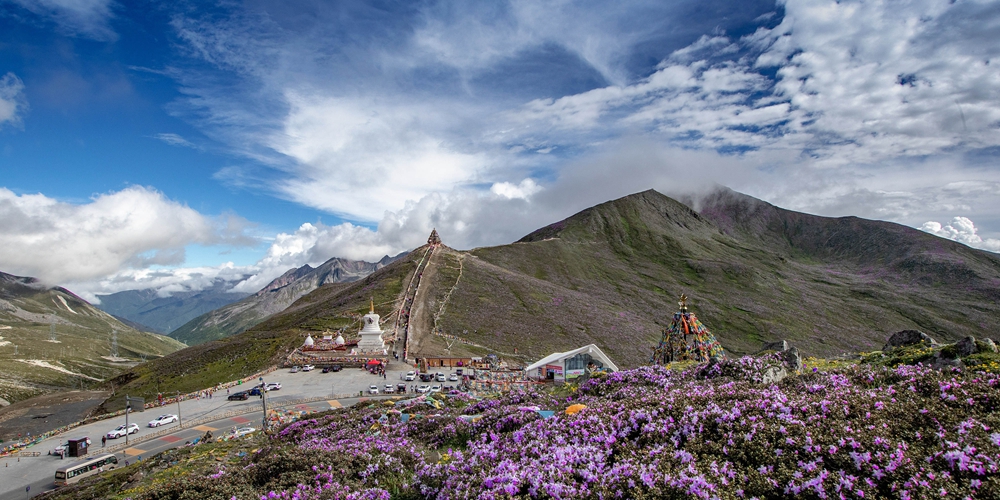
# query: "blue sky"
[147,144]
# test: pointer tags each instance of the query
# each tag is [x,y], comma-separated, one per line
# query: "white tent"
[570,364]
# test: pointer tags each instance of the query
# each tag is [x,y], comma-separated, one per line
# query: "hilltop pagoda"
[434,239]
[687,339]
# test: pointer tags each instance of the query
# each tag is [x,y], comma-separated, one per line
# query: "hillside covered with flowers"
[856,431]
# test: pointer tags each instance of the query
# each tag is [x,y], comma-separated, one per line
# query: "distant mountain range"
[164,314]
[50,340]
[611,275]
[275,297]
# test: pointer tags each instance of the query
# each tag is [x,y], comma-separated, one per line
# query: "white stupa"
[339,340]
[371,335]
[309,341]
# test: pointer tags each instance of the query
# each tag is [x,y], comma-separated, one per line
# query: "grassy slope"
[82,338]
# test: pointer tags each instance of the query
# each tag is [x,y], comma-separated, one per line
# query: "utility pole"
[180,423]
[128,406]
[263,399]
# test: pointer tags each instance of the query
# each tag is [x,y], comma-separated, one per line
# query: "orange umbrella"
[574,409]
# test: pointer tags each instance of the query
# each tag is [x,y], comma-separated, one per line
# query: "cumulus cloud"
[84,18]
[135,228]
[359,158]
[165,281]
[962,230]
[12,100]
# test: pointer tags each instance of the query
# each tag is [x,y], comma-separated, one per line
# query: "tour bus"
[73,473]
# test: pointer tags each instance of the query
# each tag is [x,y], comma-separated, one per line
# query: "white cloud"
[963,231]
[175,140]
[508,190]
[85,18]
[166,281]
[134,228]
[12,100]
[359,158]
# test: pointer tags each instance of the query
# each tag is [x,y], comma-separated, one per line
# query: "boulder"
[792,359]
[908,337]
[773,374]
[780,346]
[966,347]
[987,344]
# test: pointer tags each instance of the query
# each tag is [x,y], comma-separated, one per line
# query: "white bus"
[88,467]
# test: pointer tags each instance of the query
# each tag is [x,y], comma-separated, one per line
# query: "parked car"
[273,386]
[436,388]
[453,378]
[162,419]
[241,431]
[295,369]
[410,376]
[440,377]
[308,368]
[326,369]
[423,389]
[401,388]
[336,368]
[239,396]
[458,371]
[255,391]
[389,389]
[373,389]
[426,377]
[122,430]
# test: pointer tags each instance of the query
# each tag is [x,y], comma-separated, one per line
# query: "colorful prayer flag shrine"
[687,339]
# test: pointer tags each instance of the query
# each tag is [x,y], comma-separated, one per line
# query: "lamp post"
[180,423]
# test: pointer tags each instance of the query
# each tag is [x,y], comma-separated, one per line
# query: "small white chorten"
[309,341]
[371,335]
[339,340]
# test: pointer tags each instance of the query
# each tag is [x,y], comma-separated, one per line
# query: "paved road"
[16,473]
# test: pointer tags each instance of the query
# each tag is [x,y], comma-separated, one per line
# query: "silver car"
[162,419]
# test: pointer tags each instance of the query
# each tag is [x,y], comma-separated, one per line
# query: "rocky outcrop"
[908,337]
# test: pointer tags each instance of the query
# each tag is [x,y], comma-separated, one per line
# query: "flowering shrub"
[856,432]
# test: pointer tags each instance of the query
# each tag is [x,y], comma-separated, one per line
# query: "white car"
[424,389]
[272,386]
[308,368]
[390,389]
[453,378]
[121,430]
[373,389]
[241,431]
[436,388]
[410,376]
[162,419]
[439,377]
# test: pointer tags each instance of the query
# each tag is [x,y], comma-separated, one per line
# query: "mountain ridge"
[273,298]
[611,275]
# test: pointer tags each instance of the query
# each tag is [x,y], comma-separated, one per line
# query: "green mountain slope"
[52,340]
[612,274]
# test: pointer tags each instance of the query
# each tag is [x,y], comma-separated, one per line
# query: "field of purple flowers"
[857,432]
